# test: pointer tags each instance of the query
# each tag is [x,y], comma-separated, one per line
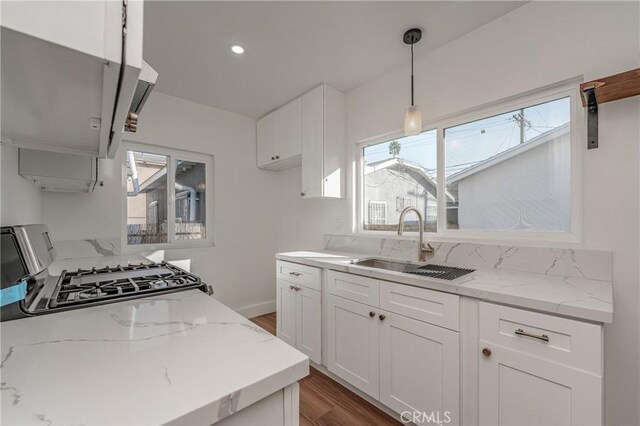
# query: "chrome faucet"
[423,248]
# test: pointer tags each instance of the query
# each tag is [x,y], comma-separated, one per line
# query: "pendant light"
[413,115]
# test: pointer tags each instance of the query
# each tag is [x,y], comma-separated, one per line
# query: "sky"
[476,141]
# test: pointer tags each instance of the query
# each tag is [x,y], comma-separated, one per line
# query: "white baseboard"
[258,309]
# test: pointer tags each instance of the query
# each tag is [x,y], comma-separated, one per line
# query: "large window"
[505,171]
[167,196]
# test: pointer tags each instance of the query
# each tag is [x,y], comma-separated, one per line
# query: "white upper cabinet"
[279,137]
[310,130]
[290,129]
[323,143]
[69,74]
[267,129]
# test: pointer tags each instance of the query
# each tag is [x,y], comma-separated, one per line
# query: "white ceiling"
[292,46]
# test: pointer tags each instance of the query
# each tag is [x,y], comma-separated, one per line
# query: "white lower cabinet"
[299,318]
[353,343]
[309,327]
[419,368]
[530,368]
[538,369]
[408,365]
[286,308]
[519,389]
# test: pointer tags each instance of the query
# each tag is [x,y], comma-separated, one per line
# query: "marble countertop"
[581,298]
[179,358]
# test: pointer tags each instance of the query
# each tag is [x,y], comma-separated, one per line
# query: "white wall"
[241,267]
[536,45]
[20,200]
[303,222]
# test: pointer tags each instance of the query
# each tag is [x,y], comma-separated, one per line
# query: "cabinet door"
[289,119]
[353,337]
[266,139]
[286,312]
[308,333]
[312,142]
[419,368]
[518,389]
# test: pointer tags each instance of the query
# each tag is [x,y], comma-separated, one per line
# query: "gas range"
[95,286]
[28,289]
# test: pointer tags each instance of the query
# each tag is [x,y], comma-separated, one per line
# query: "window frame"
[567,88]
[172,155]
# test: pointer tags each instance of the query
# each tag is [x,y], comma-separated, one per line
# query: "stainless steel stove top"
[96,285]
[87,287]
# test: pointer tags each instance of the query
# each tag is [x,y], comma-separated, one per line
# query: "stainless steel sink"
[389,265]
[425,270]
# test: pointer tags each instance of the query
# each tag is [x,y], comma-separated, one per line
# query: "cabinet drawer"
[435,307]
[354,287]
[570,342]
[306,276]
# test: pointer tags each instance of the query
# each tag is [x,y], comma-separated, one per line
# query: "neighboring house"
[501,192]
[392,185]
[147,209]
[520,188]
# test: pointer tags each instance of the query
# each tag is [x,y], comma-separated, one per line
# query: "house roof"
[415,170]
[510,153]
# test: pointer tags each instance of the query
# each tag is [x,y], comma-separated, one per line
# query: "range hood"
[72,86]
[146,82]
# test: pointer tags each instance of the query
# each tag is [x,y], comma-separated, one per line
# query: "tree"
[394,148]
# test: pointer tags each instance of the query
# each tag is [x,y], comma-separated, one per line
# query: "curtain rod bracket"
[592,117]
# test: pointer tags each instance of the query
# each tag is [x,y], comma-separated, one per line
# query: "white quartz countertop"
[580,298]
[179,358]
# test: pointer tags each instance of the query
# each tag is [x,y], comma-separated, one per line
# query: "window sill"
[128,249]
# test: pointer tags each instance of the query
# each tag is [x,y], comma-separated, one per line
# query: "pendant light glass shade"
[412,121]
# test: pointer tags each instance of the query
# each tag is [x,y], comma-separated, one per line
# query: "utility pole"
[520,119]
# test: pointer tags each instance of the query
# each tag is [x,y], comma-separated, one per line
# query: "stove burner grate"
[103,284]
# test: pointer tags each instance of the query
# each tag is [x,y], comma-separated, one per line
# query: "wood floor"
[325,402]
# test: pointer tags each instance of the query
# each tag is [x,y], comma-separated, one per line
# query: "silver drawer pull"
[295,274]
[521,332]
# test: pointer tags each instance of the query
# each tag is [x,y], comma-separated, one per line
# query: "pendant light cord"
[411,74]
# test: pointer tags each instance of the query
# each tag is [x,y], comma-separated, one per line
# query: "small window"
[166,197]
[511,171]
[401,173]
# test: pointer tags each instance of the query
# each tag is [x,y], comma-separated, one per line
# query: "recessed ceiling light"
[237,49]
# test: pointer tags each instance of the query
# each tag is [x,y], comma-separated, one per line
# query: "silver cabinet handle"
[521,332]
[291,287]
[297,288]
[295,274]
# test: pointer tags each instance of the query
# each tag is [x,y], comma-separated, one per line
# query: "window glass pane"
[511,171]
[398,174]
[146,198]
[190,193]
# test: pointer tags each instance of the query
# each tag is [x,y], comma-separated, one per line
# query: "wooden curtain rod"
[612,88]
